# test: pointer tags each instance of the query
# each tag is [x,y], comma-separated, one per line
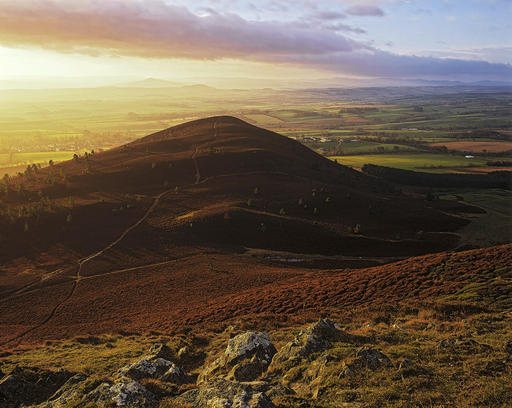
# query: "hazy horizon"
[89,43]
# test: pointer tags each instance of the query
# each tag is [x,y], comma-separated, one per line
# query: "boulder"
[123,393]
[249,345]
[248,354]
[221,393]
[30,385]
[315,338]
[146,367]
[156,365]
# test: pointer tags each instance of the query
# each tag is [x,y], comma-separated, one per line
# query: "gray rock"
[123,393]
[221,393]
[249,345]
[251,354]
[146,367]
[315,338]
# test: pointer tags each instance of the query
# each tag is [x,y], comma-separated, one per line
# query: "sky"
[463,40]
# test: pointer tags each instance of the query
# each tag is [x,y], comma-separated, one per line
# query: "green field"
[362,125]
[434,163]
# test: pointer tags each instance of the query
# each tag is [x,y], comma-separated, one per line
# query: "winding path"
[84,261]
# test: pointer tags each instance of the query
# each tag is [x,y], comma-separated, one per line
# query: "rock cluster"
[250,373]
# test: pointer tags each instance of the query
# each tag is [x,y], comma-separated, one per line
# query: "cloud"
[365,10]
[155,29]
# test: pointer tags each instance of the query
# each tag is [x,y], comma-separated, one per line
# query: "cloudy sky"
[397,39]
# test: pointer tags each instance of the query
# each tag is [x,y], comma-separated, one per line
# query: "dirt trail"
[81,264]
[84,261]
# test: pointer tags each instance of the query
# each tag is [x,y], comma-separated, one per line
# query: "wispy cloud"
[365,10]
[155,29]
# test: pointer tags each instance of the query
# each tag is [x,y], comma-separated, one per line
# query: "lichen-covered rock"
[315,338]
[30,385]
[147,367]
[251,354]
[249,345]
[221,393]
[124,393]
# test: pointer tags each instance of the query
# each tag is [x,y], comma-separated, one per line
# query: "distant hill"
[152,83]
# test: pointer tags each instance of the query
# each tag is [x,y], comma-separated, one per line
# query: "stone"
[146,367]
[248,354]
[123,393]
[249,345]
[222,393]
[318,337]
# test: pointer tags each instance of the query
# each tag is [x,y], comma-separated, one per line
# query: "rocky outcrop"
[246,357]
[123,393]
[147,367]
[156,366]
[315,338]
[223,393]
